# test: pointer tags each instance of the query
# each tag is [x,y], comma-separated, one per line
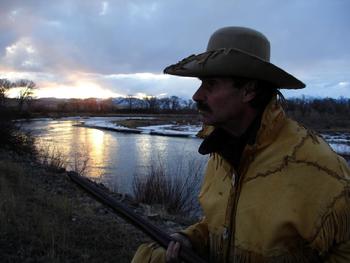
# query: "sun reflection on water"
[143,151]
[96,151]
[96,137]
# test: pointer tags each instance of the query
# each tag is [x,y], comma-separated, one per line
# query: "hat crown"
[241,38]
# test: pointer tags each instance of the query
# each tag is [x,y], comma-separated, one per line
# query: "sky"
[91,48]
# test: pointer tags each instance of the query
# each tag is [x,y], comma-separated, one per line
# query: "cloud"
[132,37]
[344,84]
[149,84]
[100,85]
[22,55]
[104,8]
[320,88]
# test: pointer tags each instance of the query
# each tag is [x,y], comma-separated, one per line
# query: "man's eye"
[211,82]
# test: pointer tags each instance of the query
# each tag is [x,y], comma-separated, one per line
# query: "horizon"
[302,97]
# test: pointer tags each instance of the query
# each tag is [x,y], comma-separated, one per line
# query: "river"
[114,158]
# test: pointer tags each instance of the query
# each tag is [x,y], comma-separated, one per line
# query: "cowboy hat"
[235,51]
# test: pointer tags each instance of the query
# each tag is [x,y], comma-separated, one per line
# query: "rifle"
[154,232]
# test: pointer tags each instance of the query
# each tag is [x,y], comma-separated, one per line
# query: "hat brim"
[233,62]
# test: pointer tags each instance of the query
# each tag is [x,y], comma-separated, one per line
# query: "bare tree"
[5,85]
[130,99]
[152,103]
[165,103]
[26,92]
[175,103]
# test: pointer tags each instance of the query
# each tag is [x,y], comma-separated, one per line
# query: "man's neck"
[237,128]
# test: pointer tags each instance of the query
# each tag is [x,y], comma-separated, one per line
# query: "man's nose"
[199,95]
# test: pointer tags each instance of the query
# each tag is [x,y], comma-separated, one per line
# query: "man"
[273,191]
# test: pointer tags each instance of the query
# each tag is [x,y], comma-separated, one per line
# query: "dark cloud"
[113,37]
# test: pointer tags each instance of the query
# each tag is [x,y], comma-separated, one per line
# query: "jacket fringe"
[306,255]
[215,248]
[335,224]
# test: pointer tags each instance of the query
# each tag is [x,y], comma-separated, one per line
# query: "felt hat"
[235,52]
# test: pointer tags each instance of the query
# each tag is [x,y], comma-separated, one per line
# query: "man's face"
[220,102]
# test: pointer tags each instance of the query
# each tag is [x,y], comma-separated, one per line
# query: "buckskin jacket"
[288,200]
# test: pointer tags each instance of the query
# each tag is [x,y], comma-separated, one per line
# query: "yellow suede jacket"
[290,203]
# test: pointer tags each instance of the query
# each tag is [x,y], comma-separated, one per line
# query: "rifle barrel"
[154,232]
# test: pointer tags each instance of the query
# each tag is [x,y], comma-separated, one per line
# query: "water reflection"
[143,151]
[96,149]
[114,158]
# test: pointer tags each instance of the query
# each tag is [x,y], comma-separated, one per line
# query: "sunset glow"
[120,48]
[81,90]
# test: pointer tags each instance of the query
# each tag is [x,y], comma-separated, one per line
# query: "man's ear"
[249,91]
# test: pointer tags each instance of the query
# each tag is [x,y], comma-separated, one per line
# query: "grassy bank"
[160,120]
[46,218]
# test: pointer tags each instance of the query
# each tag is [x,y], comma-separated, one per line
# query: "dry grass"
[80,163]
[175,191]
[13,138]
[45,218]
[51,158]
[160,120]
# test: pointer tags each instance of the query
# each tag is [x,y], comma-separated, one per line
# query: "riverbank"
[46,218]
[314,120]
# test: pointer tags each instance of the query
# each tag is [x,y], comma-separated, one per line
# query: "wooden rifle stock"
[154,232]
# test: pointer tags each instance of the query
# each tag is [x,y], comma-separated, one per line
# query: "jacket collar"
[260,134]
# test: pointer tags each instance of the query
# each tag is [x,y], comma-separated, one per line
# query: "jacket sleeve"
[154,253]
[149,253]
[199,237]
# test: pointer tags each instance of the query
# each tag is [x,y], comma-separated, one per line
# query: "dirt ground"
[45,217]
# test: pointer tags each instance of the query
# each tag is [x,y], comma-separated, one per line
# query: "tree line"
[318,113]
[128,104]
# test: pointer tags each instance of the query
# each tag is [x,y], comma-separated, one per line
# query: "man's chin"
[211,122]
[206,120]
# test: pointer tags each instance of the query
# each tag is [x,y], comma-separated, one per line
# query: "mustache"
[201,106]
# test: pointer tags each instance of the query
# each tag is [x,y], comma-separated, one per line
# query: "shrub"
[176,190]
[80,162]
[14,138]
[51,158]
